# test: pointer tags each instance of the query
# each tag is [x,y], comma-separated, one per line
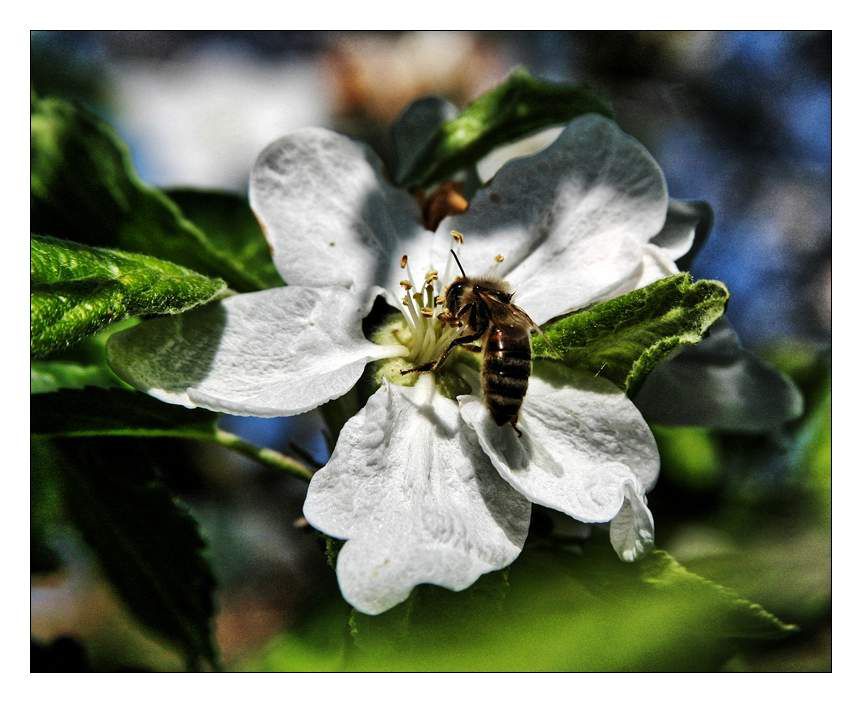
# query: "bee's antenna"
[452,251]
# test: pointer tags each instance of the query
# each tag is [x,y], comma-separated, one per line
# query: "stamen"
[459,240]
[410,309]
[429,296]
[428,342]
[405,284]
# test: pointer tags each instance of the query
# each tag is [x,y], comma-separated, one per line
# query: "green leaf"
[147,543]
[100,412]
[623,339]
[516,108]
[83,187]
[556,611]
[50,376]
[94,412]
[232,227]
[77,290]
[785,566]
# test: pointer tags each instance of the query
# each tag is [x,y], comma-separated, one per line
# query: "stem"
[264,455]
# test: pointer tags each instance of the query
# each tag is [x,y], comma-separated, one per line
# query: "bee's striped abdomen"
[506,371]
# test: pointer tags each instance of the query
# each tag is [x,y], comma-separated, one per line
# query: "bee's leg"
[419,369]
[514,423]
[473,347]
[460,341]
[435,365]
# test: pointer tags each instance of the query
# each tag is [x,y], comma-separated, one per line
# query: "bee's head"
[455,294]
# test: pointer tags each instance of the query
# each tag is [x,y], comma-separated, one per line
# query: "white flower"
[423,487]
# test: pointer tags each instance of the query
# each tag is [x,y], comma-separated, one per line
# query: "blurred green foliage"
[689,455]
[553,610]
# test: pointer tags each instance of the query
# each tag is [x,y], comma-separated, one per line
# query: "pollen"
[499,258]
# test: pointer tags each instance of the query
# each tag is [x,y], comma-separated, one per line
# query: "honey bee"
[483,307]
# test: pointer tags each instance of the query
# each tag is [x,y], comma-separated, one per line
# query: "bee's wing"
[507,312]
[523,318]
[528,321]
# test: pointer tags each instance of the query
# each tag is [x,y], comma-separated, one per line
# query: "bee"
[483,307]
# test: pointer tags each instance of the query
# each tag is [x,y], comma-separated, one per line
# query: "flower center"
[427,331]
[425,328]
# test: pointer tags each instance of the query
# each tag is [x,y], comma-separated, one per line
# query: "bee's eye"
[454,295]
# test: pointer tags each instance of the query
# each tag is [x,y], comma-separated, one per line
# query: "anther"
[430,276]
[404,261]
[439,300]
[405,284]
[417,297]
[499,258]
[457,236]
[427,312]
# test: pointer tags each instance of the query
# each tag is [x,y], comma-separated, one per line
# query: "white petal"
[677,234]
[276,352]
[330,215]
[416,498]
[581,445]
[685,230]
[632,530]
[570,222]
[656,264]
[717,383]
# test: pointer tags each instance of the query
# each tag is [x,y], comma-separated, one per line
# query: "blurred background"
[739,119]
